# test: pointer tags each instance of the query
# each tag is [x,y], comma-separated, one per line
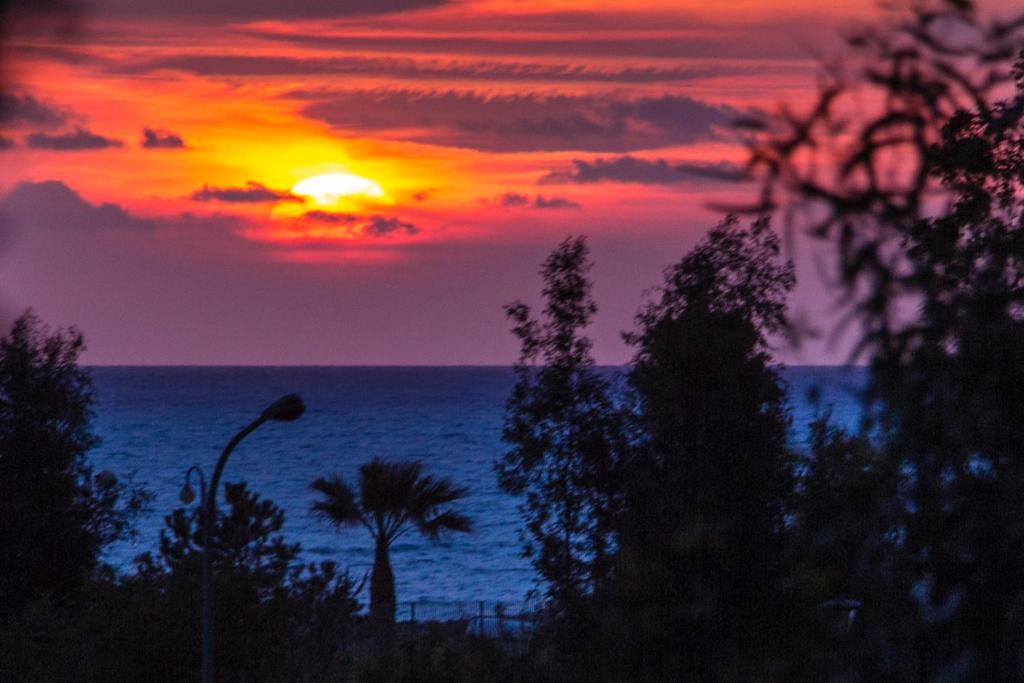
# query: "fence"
[486,619]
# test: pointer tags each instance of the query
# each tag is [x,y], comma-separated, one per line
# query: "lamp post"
[285,409]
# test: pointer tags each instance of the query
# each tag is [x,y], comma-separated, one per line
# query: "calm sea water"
[155,422]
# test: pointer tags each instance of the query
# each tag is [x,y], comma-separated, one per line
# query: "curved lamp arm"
[285,409]
[211,493]
[187,495]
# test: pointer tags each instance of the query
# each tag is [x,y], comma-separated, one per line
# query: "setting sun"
[327,189]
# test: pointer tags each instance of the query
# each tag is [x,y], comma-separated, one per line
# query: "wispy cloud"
[161,139]
[372,226]
[251,193]
[665,35]
[254,10]
[78,140]
[629,169]
[410,69]
[24,109]
[514,199]
[529,122]
[724,171]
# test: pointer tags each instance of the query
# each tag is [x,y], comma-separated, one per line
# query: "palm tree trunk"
[382,591]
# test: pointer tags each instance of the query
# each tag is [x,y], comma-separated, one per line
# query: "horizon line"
[398,365]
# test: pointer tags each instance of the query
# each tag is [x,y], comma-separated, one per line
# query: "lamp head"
[285,409]
[187,495]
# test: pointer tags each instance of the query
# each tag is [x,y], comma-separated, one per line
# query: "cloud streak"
[629,169]
[251,193]
[254,10]
[524,123]
[161,139]
[24,109]
[514,199]
[79,140]
[557,34]
[371,226]
[418,69]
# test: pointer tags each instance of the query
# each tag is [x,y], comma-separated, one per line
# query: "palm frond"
[447,521]
[403,495]
[430,493]
[388,487]
[338,503]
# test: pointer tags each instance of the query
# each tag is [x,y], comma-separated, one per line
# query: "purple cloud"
[629,169]
[252,193]
[723,171]
[542,202]
[254,10]
[26,109]
[409,69]
[161,139]
[385,225]
[528,122]
[514,199]
[373,226]
[76,141]
[331,218]
[53,204]
[677,35]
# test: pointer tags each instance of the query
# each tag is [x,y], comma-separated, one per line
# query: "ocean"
[155,422]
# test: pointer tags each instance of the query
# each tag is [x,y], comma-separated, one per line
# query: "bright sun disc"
[328,188]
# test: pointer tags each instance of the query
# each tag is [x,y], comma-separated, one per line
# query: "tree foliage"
[922,204]
[274,617]
[656,506]
[58,513]
[734,271]
[842,558]
[565,432]
[702,531]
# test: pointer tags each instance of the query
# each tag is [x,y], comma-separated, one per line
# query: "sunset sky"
[153,160]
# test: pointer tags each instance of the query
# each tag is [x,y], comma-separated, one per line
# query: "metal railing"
[481,618]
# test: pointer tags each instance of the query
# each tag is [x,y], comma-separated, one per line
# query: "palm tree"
[393,498]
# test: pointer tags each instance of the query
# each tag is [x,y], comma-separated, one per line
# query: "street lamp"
[285,409]
[187,495]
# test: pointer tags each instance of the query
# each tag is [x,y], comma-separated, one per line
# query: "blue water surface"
[155,422]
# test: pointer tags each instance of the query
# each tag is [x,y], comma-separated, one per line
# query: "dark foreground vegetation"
[678,534]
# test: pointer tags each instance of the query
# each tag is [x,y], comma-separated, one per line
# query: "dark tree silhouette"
[246,545]
[702,533]
[843,543]
[57,513]
[922,202]
[393,498]
[566,435]
[279,618]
